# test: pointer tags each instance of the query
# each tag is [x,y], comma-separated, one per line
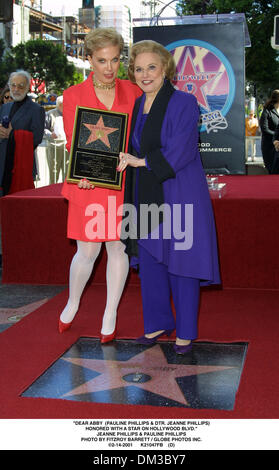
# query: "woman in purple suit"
[172,238]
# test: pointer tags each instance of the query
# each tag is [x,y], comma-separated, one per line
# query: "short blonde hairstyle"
[155,48]
[102,37]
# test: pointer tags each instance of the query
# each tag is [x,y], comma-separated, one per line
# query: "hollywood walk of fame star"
[99,131]
[193,81]
[151,364]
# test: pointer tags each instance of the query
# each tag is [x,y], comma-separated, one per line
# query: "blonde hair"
[155,48]
[102,37]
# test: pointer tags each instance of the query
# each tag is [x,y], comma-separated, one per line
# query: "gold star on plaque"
[150,363]
[99,131]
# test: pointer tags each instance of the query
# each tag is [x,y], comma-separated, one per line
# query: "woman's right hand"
[85,184]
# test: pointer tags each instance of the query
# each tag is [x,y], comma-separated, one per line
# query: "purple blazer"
[185,240]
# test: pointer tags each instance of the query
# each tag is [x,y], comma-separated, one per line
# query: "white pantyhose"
[116,275]
[80,271]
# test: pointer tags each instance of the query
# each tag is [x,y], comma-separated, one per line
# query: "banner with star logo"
[209,57]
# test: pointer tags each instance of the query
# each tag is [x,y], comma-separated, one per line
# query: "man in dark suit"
[21,131]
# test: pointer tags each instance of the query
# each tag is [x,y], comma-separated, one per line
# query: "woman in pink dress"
[102,90]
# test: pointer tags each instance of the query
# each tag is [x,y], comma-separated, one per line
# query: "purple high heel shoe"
[144,340]
[182,349]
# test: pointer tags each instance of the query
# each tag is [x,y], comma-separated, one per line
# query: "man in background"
[21,131]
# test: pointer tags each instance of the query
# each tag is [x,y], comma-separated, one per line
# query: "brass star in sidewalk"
[99,131]
[12,315]
[158,376]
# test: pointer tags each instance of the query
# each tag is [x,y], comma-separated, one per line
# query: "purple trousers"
[157,287]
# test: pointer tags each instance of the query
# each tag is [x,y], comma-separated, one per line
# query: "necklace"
[103,86]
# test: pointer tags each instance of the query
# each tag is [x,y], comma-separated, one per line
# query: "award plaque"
[98,138]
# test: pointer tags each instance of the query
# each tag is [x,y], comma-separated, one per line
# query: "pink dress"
[84,222]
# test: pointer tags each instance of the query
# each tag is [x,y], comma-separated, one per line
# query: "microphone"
[5,121]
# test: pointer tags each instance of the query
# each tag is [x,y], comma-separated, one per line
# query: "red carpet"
[247,221]
[29,347]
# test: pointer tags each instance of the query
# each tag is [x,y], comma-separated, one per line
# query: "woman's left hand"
[128,159]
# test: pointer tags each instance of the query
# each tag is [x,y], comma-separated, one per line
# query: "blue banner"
[210,65]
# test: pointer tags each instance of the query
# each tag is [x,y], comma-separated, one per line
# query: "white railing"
[52,162]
